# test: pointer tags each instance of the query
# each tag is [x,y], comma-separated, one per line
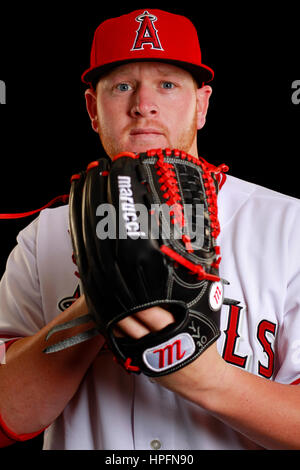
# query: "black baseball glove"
[144,230]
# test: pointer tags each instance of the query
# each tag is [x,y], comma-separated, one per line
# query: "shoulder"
[47,231]
[240,197]
[52,219]
[253,190]
[58,215]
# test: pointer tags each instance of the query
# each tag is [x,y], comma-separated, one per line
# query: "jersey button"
[155,444]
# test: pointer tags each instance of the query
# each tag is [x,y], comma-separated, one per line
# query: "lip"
[145,131]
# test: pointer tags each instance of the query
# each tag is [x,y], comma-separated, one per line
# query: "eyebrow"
[161,70]
[116,74]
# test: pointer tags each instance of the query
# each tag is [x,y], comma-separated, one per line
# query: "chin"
[143,144]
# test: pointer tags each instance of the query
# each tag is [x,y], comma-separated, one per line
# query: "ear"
[203,95]
[91,106]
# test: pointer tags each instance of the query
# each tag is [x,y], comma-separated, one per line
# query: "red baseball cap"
[147,35]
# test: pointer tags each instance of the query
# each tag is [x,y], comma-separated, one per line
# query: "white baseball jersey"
[260,233]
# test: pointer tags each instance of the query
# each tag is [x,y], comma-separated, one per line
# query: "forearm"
[266,412]
[36,387]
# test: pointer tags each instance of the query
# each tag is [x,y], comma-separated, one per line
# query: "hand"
[197,378]
[144,322]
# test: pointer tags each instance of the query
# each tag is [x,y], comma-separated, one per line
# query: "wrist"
[203,381]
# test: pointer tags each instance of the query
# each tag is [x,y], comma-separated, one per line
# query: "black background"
[45,134]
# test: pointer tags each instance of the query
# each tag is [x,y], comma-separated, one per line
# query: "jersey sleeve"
[20,306]
[289,331]
[21,312]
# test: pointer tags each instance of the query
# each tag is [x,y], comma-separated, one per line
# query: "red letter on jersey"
[262,328]
[231,337]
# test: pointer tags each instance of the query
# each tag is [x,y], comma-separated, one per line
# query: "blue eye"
[168,85]
[123,87]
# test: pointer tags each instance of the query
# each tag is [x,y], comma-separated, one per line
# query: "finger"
[144,322]
[132,327]
[154,318]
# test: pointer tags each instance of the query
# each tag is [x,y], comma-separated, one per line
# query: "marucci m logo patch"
[170,353]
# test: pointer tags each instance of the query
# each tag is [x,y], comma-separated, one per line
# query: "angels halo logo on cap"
[146,34]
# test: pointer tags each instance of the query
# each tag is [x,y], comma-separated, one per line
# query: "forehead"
[149,69]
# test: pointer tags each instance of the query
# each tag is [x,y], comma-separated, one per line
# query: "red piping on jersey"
[8,437]
[64,199]
[8,341]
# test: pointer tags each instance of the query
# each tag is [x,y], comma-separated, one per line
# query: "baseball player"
[148,89]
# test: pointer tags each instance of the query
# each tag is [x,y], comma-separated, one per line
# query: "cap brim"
[201,73]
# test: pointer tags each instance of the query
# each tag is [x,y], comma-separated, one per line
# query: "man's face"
[139,106]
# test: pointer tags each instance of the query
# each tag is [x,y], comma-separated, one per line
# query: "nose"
[143,103]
